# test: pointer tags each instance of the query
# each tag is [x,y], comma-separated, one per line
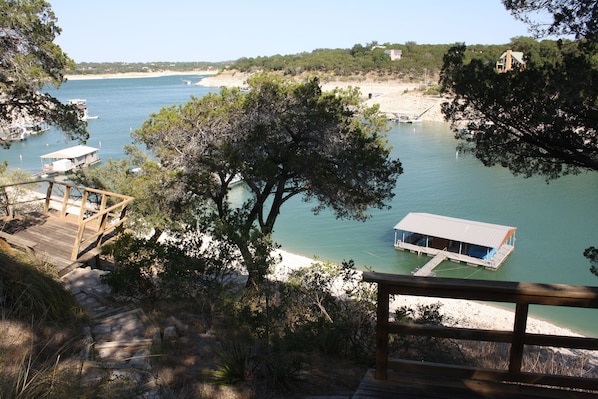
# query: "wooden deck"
[54,239]
[66,226]
[427,270]
[492,264]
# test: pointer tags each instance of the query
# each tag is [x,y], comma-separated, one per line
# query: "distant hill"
[412,61]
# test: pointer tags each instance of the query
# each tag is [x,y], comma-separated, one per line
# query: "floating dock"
[459,240]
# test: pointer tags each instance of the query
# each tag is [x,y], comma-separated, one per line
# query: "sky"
[224,30]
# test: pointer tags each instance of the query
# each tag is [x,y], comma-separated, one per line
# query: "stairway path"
[119,338]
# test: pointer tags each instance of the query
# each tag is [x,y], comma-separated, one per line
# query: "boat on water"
[21,130]
[460,240]
[69,159]
[82,108]
[404,118]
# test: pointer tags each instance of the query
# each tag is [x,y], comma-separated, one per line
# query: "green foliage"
[322,309]
[591,254]
[422,347]
[28,294]
[179,268]
[540,120]
[283,139]
[370,58]
[158,205]
[235,365]
[28,61]
[94,68]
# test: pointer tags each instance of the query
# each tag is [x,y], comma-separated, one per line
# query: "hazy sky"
[222,30]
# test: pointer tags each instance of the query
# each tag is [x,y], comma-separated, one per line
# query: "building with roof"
[460,240]
[69,159]
[510,60]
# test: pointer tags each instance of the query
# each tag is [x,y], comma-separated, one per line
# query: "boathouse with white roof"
[460,240]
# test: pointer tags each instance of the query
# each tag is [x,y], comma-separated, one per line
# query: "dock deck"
[53,237]
[66,227]
[427,269]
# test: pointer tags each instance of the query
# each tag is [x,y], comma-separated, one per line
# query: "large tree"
[282,139]
[540,120]
[29,59]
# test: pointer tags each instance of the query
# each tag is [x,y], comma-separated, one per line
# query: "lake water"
[555,222]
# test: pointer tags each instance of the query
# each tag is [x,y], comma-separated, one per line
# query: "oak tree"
[282,139]
[539,120]
[29,59]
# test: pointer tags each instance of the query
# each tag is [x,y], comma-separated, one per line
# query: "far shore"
[393,96]
[129,75]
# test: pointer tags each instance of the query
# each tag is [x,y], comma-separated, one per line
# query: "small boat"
[82,108]
[20,131]
[69,159]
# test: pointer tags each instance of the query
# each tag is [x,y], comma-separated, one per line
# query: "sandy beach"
[394,97]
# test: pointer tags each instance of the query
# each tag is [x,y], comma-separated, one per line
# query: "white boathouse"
[69,159]
[460,240]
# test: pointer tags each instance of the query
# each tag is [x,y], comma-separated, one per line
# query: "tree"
[541,120]
[537,121]
[282,139]
[29,59]
[157,206]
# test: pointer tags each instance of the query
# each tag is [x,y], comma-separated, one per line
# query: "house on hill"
[394,54]
[510,60]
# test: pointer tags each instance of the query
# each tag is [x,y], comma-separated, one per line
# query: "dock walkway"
[427,269]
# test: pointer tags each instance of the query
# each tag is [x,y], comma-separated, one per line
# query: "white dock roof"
[468,231]
[71,152]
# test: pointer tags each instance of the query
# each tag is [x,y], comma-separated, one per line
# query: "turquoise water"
[555,222]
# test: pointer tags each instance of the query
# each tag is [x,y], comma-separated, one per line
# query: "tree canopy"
[282,139]
[29,59]
[540,120]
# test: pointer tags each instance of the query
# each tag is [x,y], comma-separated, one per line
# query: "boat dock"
[459,240]
[427,269]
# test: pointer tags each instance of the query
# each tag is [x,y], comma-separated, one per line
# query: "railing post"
[65,201]
[102,207]
[382,333]
[83,205]
[516,355]
[9,208]
[48,196]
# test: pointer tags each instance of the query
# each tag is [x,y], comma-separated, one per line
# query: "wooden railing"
[518,293]
[95,210]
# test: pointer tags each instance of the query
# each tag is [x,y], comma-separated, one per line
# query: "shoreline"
[457,312]
[393,96]
[135,75]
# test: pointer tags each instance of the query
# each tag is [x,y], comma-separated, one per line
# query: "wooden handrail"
[519,293]
[108,217]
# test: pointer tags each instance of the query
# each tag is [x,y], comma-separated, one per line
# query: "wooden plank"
[488,290]
[419,386]
[427,269]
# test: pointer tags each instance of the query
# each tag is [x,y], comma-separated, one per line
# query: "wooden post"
[65,201]
[78,239]
[48,196]
[516,355]
[9,208]
[382,333]
[102,207]
[83,205]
